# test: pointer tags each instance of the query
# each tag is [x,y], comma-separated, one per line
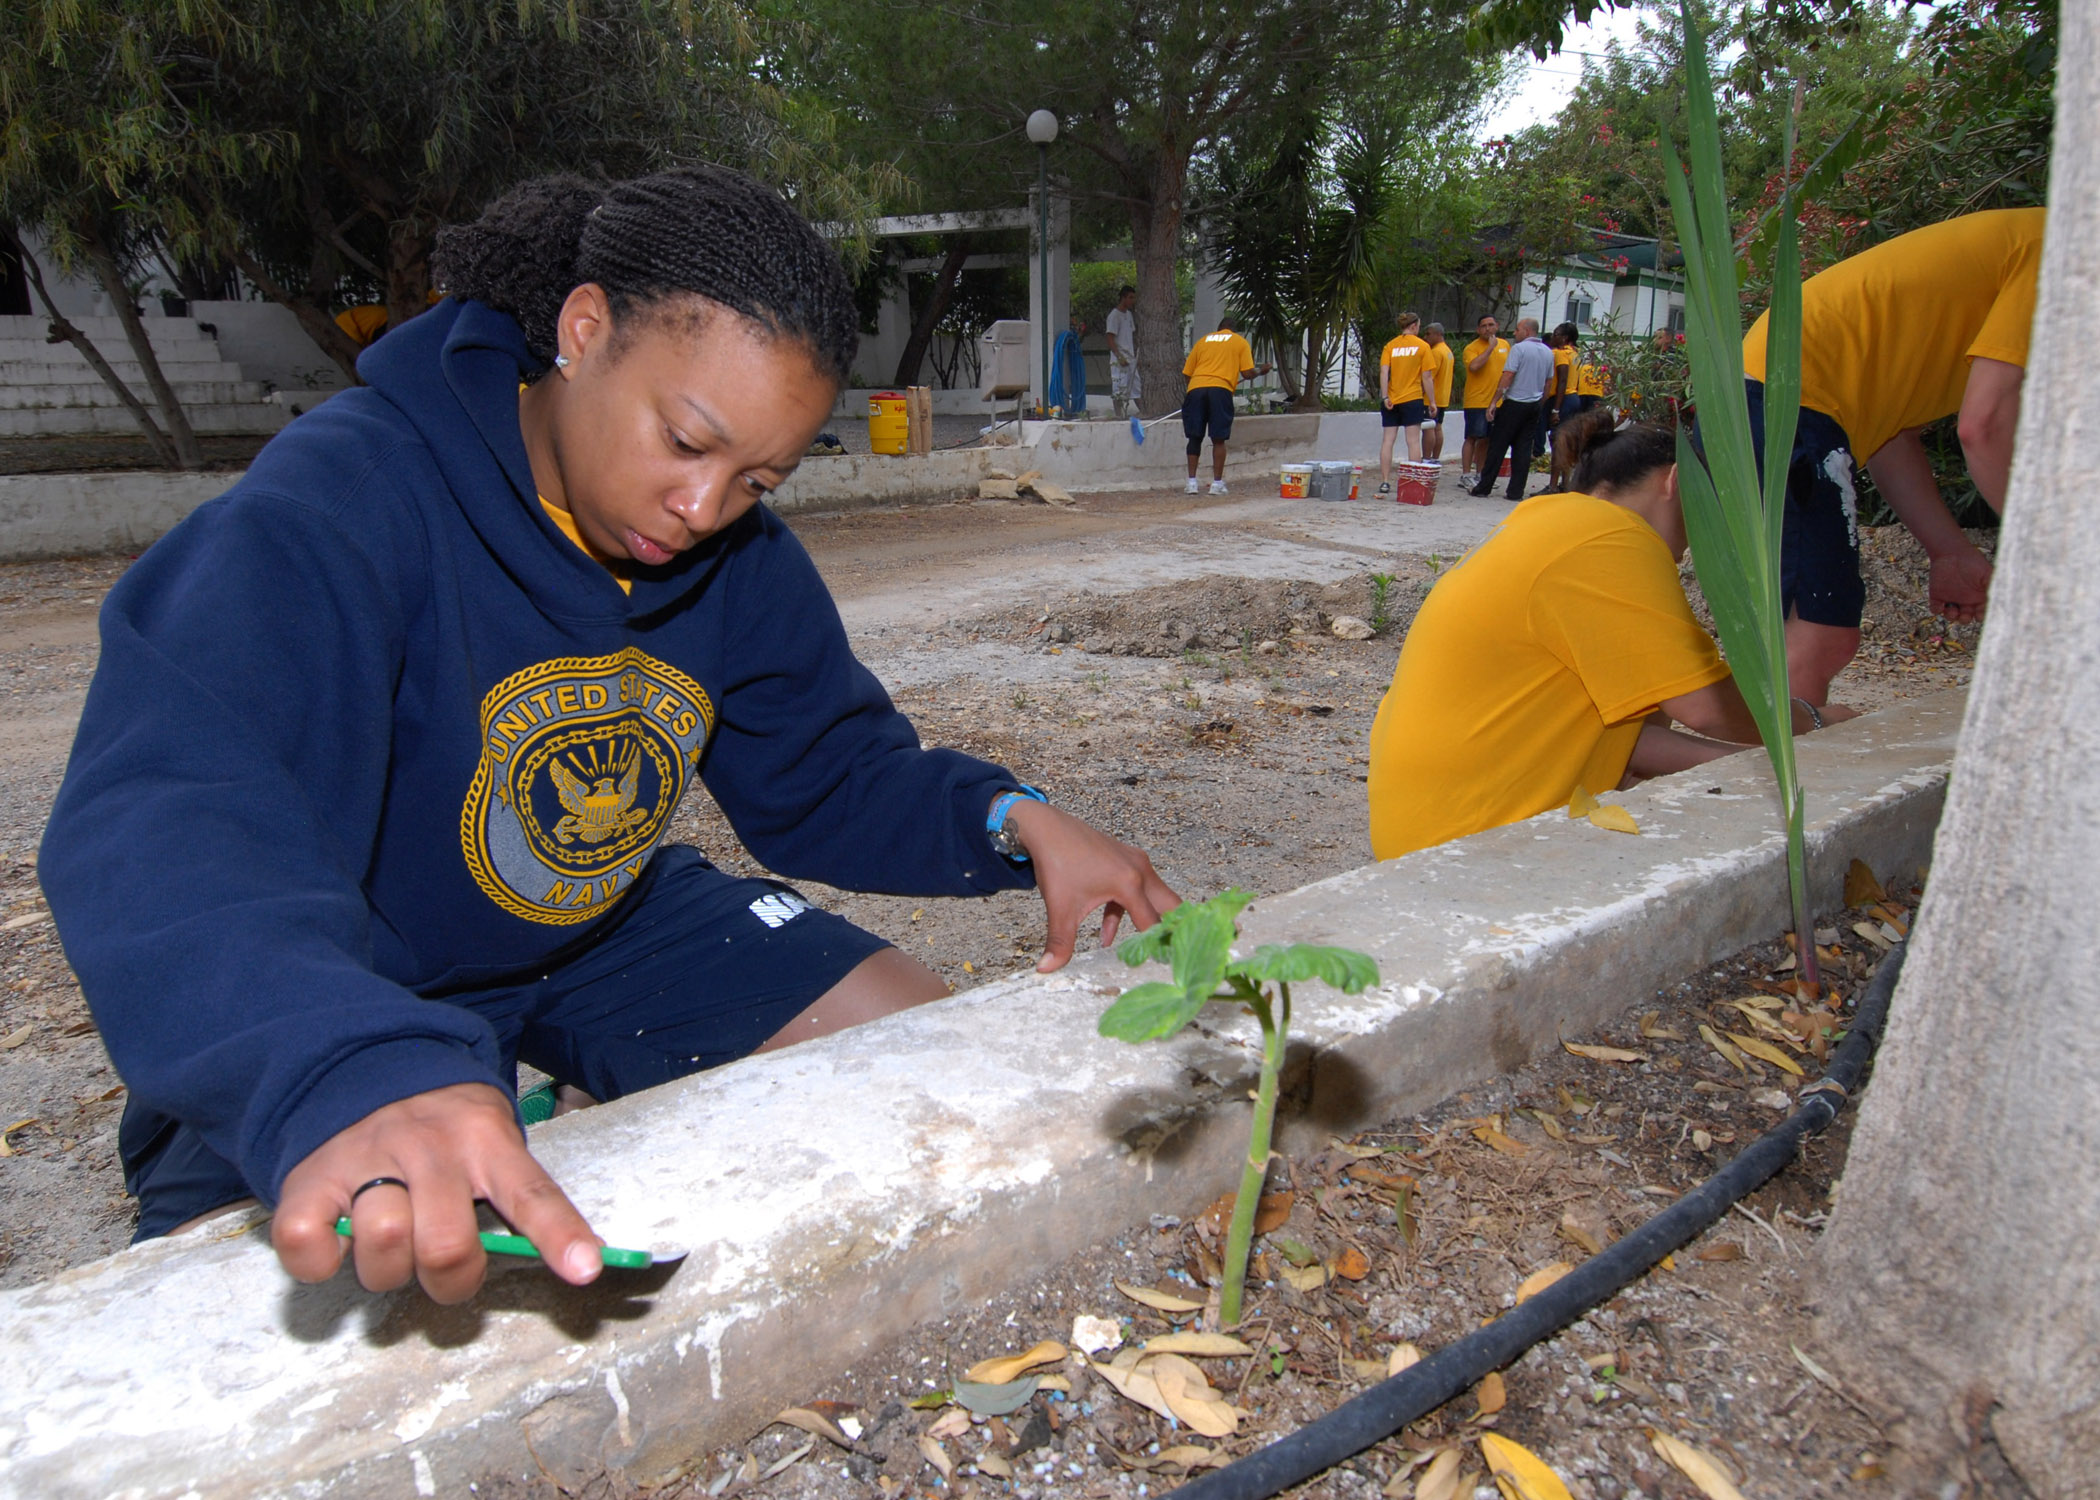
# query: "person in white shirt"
[1123,388]
[1513,416]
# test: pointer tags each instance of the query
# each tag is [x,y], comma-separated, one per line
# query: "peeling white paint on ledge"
[834,1194]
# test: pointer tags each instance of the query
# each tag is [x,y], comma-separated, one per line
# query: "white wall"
[267,342]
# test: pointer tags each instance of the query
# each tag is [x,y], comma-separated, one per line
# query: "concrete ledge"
[839,1192]
[72,515]
[849,481]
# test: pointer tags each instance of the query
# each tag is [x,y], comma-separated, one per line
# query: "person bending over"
[1556,655]
[1927,325]
[1214,368]
[370,792]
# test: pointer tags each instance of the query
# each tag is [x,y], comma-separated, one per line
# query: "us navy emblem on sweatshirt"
[583,761]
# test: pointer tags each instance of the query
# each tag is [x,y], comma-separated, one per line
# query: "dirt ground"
[1162,665]
[1426,1227]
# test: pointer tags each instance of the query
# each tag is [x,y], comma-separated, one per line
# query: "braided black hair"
[702,231]
[1602,453]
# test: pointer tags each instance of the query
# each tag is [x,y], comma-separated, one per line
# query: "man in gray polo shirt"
[1513,415]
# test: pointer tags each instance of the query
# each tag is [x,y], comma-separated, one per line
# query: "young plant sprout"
[1731,515]
[1195,939]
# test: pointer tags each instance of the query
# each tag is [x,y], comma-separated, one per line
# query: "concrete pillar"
[1060,281]
[879,354]
[1210,292]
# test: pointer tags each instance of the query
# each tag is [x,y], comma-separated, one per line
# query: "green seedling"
[1195,940]
[1731,515]
[1381,597]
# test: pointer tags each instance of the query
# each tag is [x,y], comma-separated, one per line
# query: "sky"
[1544,87]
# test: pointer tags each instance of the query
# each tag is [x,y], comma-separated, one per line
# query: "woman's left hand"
[1079,868]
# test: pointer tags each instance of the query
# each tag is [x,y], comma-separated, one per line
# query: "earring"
[561,361]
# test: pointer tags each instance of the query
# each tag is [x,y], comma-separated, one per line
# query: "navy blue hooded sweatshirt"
[368,730]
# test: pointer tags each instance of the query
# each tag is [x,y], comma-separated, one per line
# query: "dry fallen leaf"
[5,1149]
[1700,1468]
[936,1455]
[1190,1456]
[1351,1265]
[17,1037]
[27,919]
[1720,1250]
[1765,1052]
[992,1464]
[1519,1473]
[1490,1136]
[787,1462]
[1360,1153]
[1491,1394]
[1613,818]
[1581,804]
[1172,1302]
[1440,1480]
[1306,1278]
[1584,1234]
[1403,1357]
[1540,1279]
[1548,1124]
[1271,1211]
[1873,934]
[1860,885]
[810,1422]
[1604,1054]
[1218,1345]
[1190,1397]
[954,1422]
[1011,1367]
[1713,1039]
[1138,1385]
[1364,1369]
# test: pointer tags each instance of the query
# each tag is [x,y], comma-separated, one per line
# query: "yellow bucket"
[1297,481]
[888,427]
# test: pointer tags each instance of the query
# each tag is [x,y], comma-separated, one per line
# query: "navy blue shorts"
[1574,406]
[1476,422]
[1206,409]
[1819,536]
[702,970]
[1404,414]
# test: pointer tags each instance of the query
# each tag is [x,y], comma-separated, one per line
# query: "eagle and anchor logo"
[583,760]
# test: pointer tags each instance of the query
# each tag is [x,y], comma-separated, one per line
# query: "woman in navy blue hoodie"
[368,792]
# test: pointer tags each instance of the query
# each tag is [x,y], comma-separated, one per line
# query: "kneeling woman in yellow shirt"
[1554,655]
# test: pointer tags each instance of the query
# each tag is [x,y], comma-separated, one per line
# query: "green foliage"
[1732,514]
[1195,939]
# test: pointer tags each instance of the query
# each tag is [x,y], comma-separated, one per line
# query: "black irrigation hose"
[1419,1390]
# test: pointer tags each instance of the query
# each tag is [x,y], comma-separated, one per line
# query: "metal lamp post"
[1042,129]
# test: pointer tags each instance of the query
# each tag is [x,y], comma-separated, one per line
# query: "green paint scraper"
[498,1243]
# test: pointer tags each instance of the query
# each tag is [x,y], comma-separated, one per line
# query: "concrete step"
[163,332]
[213,419]
[57,357]
[79,393]
[80,372]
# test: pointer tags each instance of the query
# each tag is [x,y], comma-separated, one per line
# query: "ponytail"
[1598,453]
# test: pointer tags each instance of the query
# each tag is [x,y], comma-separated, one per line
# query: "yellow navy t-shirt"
[1405,359]
[1440,372]
[1481,383]
[1528,672]
[1218,360]
[1887,336]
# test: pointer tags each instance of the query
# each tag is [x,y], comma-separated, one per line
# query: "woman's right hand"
[448,1148]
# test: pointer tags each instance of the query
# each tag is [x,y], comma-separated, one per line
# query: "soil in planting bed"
[1412,1235]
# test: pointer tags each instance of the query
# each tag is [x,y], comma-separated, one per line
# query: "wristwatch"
[1003,838]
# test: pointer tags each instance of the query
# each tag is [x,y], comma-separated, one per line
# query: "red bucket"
[1415,484]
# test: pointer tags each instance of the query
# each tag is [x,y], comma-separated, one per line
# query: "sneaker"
[1217,486]
[1193,487]
[1384,490]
